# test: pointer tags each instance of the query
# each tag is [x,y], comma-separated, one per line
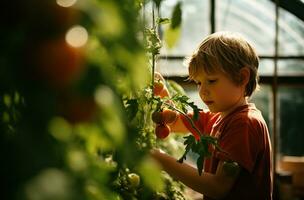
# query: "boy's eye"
[211,81]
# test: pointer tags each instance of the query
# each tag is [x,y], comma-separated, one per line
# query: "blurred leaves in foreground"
[66,68]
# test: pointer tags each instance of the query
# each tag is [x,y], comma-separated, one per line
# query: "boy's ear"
[245,75]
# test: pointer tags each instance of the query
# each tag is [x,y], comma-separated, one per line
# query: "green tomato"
[134,180]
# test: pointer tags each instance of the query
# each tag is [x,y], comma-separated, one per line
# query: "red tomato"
[157,117]
[169,116]
[134,180]
[162,131]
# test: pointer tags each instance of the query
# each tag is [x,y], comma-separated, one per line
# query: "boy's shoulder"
[247,114]
[248,120]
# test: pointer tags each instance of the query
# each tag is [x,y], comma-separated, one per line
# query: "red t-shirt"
[243,134]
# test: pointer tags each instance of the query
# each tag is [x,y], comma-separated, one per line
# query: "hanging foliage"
[76,102]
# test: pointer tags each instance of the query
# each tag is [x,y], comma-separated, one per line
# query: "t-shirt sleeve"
[240,143]
[201,123]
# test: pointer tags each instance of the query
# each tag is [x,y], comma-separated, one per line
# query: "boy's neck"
[241,102]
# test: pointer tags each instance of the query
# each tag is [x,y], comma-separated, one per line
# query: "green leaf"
[159,104]
[162,20]
[189,142]
[132,108]
[157,3]
[188,147]
[199,164]
[171,36]
[151,173]
[153,43]
[204,148]
[181,159]
[176,16]
[195,109]
[185,101]
[7,99]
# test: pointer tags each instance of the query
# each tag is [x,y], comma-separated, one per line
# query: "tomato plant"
[166,116]
[163,99]
[82,117]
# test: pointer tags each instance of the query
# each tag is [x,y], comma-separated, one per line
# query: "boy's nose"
[203,91]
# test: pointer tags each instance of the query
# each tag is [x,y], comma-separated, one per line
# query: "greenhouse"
[152,99]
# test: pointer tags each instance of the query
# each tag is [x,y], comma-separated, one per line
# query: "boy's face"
[218,91]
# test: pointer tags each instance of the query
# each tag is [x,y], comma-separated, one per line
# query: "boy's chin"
[213,110]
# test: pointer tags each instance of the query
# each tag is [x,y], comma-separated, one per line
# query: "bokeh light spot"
[66,3]
[77,36]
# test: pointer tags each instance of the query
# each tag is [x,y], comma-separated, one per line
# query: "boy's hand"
[160,88]
[156,152]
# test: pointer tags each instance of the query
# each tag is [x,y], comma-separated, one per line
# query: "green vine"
[200,146]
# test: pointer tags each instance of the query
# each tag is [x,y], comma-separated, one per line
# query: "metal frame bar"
[300,57]
[286,80]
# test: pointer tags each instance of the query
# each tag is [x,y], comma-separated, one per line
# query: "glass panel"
[253,19]
[171,67]
[195,25]
[176,67]
[266,67]
[291,34]
[291,102]
[147,14]
[291,67]
[262,99]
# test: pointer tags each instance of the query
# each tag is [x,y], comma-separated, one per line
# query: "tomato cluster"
[162,119]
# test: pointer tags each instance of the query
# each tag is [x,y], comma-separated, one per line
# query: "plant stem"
[153,72]
[153,55]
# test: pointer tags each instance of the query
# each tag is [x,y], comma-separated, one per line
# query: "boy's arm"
[212,185]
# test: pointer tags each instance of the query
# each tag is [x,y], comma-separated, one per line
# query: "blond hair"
[228,52]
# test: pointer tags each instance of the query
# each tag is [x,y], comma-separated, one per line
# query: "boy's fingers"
[164,93]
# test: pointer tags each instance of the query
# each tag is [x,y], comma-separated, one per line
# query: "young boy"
[224,67]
